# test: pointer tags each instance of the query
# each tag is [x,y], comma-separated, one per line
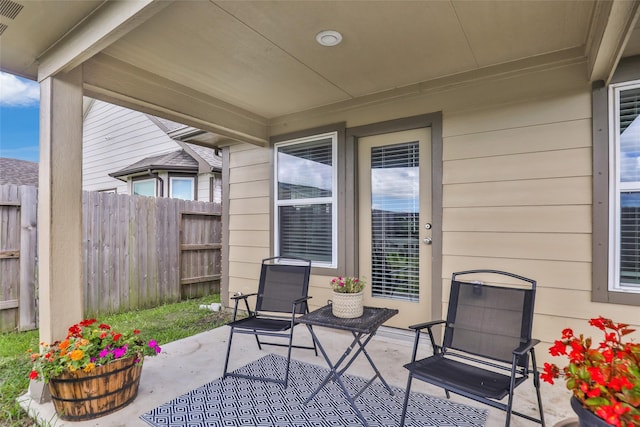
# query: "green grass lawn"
[165,323]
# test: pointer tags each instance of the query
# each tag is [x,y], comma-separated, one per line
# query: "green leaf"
[596,401]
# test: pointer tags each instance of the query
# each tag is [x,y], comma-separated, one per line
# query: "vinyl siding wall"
[249,205]
[114,138]
[517,188]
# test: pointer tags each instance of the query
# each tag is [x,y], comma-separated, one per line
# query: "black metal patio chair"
[281,298]
[487,343]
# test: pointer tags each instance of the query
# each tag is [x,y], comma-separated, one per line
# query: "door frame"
[433,121]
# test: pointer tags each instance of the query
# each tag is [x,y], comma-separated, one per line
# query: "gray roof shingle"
[19,172]
[175,161]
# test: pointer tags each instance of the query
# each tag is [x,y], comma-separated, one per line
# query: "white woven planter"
[347,306]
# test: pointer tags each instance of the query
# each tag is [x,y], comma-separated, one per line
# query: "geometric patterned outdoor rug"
[241,402]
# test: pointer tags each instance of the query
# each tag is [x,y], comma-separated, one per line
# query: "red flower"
[87,322]
[116,337]
[33,375]
[74,331]
[596,375]
[605,378]
[104,326]
[618,384]
[598,322]
[549,373]
[136,331]
[577,352]
[558,348]
[594,392]
[567,333]
[608,354]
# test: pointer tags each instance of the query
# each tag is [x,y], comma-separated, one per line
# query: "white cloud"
[18,92]
[303,172]
[395,189]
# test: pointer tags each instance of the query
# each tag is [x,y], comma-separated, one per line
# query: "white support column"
[60,205]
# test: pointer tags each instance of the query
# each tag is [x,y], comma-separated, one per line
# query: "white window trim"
[615,187]
[193,185]
[333,199]
[138,181]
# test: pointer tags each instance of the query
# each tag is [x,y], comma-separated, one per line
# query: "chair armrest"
[237,299]
[297,303]
[420,326]
[524,347]
[243,296]
[303,299]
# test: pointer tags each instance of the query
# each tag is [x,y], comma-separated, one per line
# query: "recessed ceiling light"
[329,38]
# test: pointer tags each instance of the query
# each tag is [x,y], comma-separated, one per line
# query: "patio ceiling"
[231,67]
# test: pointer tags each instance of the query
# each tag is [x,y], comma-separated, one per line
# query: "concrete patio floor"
[189,363]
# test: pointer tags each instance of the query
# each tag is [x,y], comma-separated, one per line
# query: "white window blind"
[627,193]
[394,221]
[305,203]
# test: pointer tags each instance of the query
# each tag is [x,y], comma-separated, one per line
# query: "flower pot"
[347,306]
[587,418]
[86,395]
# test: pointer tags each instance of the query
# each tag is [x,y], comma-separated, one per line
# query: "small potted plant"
[604,378]
[347,299]
[94,371]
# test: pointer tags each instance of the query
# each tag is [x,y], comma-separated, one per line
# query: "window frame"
[628,70]
[141,180]
[333,200]
[617,187]
[194,186]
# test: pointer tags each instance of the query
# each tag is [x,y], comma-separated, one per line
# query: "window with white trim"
[305,211]
[182,187]
[144,187]
[624,260]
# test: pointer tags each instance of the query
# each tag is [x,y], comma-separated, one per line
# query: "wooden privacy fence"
[18,247]
[136,255]
[137,252]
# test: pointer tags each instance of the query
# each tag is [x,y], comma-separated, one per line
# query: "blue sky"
[19,117]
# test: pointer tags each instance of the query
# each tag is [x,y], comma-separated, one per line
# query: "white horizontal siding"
[114,138]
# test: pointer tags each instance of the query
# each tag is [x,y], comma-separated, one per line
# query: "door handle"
[427,240]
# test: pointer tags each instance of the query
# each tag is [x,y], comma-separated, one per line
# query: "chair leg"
[406,400]
[512,386]
[536,383]
[226,360]
[286,374]
[507,422]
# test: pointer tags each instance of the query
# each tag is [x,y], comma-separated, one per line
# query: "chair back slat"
[489,320]
[282,281]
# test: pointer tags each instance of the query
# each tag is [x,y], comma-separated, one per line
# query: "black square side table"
[364,326]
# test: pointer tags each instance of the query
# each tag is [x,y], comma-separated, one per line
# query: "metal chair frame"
[272,323]
[481,377]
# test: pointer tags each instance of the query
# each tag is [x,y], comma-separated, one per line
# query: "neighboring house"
[129,152]
[19,172]
[503,133]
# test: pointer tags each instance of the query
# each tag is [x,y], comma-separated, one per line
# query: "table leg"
[375,369]
[335,375]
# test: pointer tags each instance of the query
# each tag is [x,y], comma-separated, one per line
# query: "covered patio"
[505,111]
[190,363]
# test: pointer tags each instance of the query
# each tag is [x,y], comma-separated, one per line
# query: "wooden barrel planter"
[81,395]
